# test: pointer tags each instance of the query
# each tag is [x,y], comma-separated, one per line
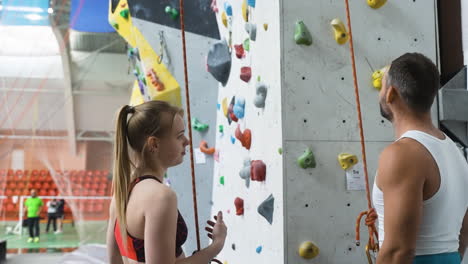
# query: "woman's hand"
[217,232]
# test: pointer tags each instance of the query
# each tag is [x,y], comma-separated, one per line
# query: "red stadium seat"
[94,186]
[85,192]
[43,192]
[35,173]
[21,185]
[3,172]
[101,193]
[46,185]
[92,192]
[52,192]
[43,173]
[10,172]
[19,173]
[37,185]
[102,186]
[16,192]
[25,192]
[11,185]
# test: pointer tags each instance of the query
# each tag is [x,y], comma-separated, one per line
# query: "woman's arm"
[112,248]
[217,232]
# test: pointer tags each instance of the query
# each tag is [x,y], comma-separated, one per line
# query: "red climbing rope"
[371,216]
[187,100]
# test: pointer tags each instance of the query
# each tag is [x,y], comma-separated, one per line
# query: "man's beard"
[385,114]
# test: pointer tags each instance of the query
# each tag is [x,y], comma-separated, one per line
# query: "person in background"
[33,207]
[59,215]
[52,214]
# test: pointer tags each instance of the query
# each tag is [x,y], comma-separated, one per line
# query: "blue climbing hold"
[259,249]
[218,106]
[228,8]
[251,3]
[239,107]
[233,140]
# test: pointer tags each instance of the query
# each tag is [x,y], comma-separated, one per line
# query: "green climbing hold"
[307,160]
[302,35]
[174,13]
[221,128]
[259,79]
[125,13]
[197,125]
[221,180]
[246,44]
[115,25]
[280,151]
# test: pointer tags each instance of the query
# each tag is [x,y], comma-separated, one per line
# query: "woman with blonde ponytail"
[145,225]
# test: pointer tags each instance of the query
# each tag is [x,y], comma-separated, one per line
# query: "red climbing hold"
[231,112]
[245,138]
[246,74]
[239,203]
[257,170]
[239,51]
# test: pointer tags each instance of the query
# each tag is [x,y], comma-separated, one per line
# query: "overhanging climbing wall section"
[319,112]
[248,184]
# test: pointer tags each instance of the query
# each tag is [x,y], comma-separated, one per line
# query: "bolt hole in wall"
[382,121]
[305,120]
[306,205]
[415,40]
[342,78]
[303,78]
[344,121]
[349,204]
[379,38]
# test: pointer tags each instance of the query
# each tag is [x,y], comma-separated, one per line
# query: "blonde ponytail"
[122,170]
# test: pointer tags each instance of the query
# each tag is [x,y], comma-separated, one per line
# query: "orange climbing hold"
[204,148]
[245,138]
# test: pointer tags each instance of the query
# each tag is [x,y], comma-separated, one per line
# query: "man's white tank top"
[443,213]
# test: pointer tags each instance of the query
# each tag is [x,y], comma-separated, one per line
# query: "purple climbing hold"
[219,61]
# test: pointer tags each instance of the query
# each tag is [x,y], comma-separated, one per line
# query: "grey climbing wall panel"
[319,112]
[203,92]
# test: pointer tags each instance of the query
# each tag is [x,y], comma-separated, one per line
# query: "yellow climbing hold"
[265,26]
[308,250]
[347,160]
[377,77]
[376,3]
[224,19]
[341,35]
[225,107]
[245,11]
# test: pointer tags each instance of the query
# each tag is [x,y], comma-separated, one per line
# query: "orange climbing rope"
[187,100]
[370,214]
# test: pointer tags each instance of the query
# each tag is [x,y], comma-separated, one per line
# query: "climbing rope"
[370,214]
[187,100]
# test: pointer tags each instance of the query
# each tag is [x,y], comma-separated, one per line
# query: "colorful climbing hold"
[259,249]
[204,148]
[239,204]
[280,151]
[307,160]
[265,26]
[266,208]
[115,25]
[302,35]
[308,250]
[239,107]
[251,3]
[233,246]
[225,107]
[231,115]
[219,61]
[233,140]
[246,74]
[228,8]
[245,138]
[257,170]
[347,160]
[125,13]
[172,12]
[197,125]
[224,19]
[261,93]
[376,4]
[221,129]
[214,6]
[245,11]
[341,35]
[239,51]
[221,180]
[244,173]
[251,30]
[377,77]
[246,44]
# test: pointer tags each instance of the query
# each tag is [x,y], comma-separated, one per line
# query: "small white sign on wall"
[17,159]
[200,157]
[355,179]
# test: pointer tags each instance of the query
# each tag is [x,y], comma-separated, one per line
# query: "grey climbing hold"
[266,208]
[219,61]
[252,30]
[261,91]
[245,172]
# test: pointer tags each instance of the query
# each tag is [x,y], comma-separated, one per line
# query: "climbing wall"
[319,112]
[251,237]
[165,41]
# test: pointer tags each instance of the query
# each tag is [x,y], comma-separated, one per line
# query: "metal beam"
[30,137]
[116,92]
[453,106]
[68,89]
